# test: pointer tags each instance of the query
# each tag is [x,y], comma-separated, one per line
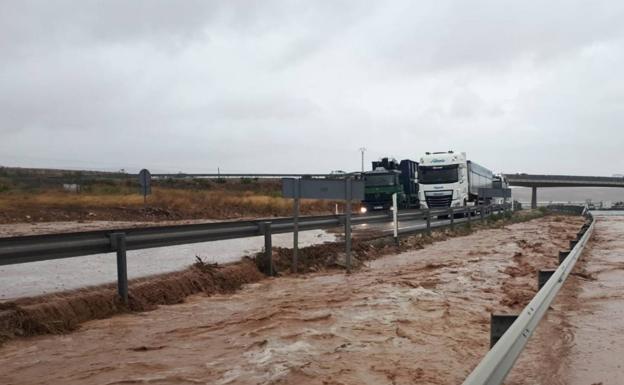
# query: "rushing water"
[420,317]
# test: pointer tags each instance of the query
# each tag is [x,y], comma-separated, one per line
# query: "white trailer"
[448,179]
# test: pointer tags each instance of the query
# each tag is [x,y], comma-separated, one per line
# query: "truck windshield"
[438,174]
[379,180]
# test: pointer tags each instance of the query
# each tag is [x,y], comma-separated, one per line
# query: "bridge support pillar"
[534,197]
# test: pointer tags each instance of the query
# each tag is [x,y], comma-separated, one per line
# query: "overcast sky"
[299,86]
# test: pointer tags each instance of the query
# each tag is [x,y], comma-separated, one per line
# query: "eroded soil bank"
[417,317]
[580,341]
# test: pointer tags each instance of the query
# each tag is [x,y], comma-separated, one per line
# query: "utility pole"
[362,150]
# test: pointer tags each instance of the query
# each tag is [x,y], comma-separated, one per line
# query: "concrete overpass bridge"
[535,181]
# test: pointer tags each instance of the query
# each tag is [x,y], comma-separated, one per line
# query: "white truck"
[448,179]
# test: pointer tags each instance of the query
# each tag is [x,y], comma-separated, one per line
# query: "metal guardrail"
[497,363]
[245,175]
[568,209]
[34,248]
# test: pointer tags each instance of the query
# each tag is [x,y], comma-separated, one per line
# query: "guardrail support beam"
[534,197]
[118,243]
[562,256]
[543,276]
[348,193]
[452,217]
[268,248]
[428,218]
[499,323]
[573,243]
[295,258]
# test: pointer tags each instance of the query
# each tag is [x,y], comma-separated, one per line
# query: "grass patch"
[121,203]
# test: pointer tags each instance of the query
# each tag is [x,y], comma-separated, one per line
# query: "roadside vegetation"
[42,197]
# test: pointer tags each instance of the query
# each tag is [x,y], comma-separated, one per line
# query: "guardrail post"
[428,213]
[452,217]
[268,247]
[469,213]
[348,193]
[499,323]
[118,243]
[542,277]
[482,211]
[562,256]
[573,243]
[395,219]
[295,260]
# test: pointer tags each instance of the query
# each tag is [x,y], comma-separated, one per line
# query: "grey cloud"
[490,34]
[299,85]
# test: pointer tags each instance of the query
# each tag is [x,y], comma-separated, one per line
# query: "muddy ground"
[416,317]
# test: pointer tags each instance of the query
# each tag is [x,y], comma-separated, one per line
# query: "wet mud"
[417,317]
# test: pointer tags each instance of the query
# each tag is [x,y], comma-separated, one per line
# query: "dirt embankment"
[420,316]
[62,312]
[58,313]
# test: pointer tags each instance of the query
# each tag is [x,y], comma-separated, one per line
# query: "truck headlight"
[363,210]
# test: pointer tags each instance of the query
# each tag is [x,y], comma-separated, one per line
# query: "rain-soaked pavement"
[581,339]
[420,317]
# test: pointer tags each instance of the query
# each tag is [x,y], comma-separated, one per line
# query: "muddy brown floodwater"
[420,317]
[580,341]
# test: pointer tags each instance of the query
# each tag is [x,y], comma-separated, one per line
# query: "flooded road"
[581,339]
[420,317]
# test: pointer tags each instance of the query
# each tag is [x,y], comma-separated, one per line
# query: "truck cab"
[380,184]
[390,177]
[443,180]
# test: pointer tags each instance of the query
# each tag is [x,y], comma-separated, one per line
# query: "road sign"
[145,183]
[332,189]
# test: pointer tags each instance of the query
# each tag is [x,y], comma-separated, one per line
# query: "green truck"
[389,177]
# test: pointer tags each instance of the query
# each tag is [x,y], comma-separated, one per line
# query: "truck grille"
[435,201]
